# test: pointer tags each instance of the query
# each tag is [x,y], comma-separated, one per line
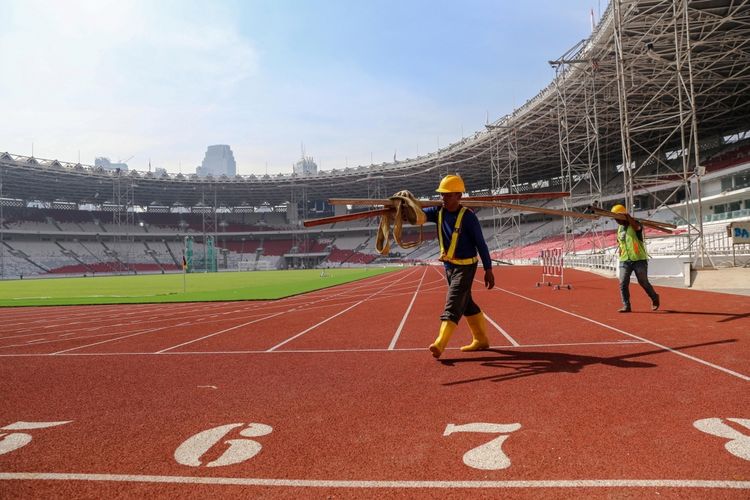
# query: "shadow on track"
[729,316]
[518,364]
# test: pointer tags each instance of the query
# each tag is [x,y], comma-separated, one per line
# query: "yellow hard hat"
[619,209]
[451,184]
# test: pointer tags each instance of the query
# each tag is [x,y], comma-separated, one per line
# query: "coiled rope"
[406,206]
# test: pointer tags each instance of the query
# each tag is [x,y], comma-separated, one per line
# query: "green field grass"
[198,287]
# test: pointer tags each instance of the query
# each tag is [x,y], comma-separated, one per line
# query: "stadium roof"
[582,101]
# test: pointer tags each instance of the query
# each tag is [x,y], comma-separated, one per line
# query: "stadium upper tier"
[636,72]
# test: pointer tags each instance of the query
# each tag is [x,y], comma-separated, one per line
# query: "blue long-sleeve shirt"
[470,239]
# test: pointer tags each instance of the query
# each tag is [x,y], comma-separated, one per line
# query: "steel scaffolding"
[299,212]
[123,218]
[576,89]
[504,163]
[209,223]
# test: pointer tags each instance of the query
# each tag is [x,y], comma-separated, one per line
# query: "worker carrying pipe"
[633,258]
[460,237]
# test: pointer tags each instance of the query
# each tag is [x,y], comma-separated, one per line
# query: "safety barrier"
[553,266]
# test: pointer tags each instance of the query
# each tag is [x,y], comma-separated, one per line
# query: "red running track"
[334,394]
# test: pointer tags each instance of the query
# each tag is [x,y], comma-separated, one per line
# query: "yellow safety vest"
[631,248]
[448,256]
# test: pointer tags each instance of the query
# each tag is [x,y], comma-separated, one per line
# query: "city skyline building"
[106,164]
[218,161]
[305,166]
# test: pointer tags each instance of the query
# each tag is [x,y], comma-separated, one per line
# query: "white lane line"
[93,314]
[392,345]
[400,349]
[442,276]
[150,330]
[66,340]
[333,483]
[502,331]
[314,326]
[660,346]
[222,331]
[46,314]
[380,290]
[344,291]
[498,327]
[197,317]
[203,317]
[313,351]
[147,320]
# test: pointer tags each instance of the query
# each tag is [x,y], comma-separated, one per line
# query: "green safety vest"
[631,247]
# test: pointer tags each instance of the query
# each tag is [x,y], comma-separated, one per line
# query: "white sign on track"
[490,455]
[738,444]
[15,440]
[190,452]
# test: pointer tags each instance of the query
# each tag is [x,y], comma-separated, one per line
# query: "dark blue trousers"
[640,268]
[458,302]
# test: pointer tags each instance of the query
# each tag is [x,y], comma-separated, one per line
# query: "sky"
[350,82]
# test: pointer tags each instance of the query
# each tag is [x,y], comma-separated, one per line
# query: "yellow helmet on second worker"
[619,209]
[451,184]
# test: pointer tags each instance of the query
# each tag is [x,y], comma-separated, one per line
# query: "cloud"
[107,75]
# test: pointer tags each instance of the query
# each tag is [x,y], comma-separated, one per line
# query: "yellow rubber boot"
[446,330]
[478,327]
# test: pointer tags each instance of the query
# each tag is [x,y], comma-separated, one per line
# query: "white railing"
[602,261]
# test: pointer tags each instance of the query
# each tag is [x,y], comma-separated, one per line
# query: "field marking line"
[314,326]
[135,324]
[42,314]
[655,344]
[319,351]
[295,307]
[380,290]
[222,331]
[499,328]
[395,295]
[392,345]
[44,322]
[325,294]
[400,349]
[321,301]
[426,287]
[80,331]
[393,484]
[435,268]
[47,340]
[139,317]
[502,331]
[363,290]
[118,338]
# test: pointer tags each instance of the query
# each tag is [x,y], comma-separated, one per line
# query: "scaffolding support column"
[504,168]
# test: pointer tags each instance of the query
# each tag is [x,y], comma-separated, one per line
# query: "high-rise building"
[106,164]
[219,160]
[306,166]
